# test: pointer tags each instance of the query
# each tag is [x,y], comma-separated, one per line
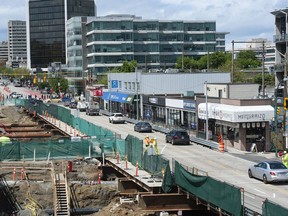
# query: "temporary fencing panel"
[168,180]
[63,148]
[154,164]
[218,193]
[134,150]
[273,209]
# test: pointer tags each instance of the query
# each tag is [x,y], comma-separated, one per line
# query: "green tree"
[247,59]
[127,67]
[61,87]
[268,79]
[102,79]
[218,59]
[239,77]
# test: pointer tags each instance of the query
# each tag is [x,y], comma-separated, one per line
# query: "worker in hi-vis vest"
[147,141]
[285,159]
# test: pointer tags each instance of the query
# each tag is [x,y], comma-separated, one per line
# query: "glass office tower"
[154,44]
[46,28]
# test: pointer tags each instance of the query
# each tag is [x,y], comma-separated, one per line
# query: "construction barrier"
[221,143]
[136,174]
[14,174]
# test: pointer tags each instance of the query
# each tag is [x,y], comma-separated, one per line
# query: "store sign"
[153,100]
[98,92]
[236,113]
[114,83]
[187,104]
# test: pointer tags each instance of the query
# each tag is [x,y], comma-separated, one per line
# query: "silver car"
[116,118]
[269,171]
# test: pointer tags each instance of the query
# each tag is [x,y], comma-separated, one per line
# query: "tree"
[127,67]
[247,59]
[61,87]
[268,79]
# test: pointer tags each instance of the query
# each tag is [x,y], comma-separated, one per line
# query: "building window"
[125,85]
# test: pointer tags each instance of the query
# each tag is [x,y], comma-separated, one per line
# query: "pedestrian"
[285,159]
[263,143]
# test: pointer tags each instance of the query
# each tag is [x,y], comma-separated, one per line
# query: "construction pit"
[28,185]
[89,186]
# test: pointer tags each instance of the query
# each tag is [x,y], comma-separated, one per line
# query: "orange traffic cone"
[22,174]
[136,174]
[117,158]
[14,174]
[126,162]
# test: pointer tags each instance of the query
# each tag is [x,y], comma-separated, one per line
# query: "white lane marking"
[252,197]
[259,191]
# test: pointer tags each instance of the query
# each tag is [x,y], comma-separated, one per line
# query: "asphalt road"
[230,167]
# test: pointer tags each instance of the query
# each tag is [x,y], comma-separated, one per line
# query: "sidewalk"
[252,156]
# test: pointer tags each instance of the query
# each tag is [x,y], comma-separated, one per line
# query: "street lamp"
[206,102]
[137,95]
[276,114]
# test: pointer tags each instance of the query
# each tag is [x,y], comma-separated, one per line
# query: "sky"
[244,20]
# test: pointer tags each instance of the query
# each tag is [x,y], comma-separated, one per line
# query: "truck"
[82,106]
[93,109]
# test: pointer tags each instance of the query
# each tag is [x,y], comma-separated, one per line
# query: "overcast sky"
[243,20]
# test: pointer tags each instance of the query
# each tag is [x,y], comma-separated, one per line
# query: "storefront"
[118,102]
[154,108]
[240,126]
[181,113]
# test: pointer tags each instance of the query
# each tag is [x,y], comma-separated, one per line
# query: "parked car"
[53,99]
[11,94]
[17,95]
[92,110]
[116,118]
[177,136]
[73,105]
[143,127]
[67,103]
[66,99]
[269,171]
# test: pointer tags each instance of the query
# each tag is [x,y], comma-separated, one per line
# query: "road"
[230,167]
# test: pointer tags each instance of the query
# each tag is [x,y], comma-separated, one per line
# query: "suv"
[178,137]
[92,110]
[116,118]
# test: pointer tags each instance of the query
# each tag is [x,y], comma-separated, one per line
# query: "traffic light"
[285,103]
[278,110]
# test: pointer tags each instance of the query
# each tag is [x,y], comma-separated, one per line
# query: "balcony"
[280,38]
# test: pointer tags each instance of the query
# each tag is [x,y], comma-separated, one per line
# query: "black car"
[73,105]
[143,127]
[177,137]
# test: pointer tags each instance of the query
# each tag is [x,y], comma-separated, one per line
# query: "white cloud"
[243,19]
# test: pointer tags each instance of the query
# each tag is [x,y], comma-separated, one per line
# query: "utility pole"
[232,71]
[208,62]
[182,57]
[263,69]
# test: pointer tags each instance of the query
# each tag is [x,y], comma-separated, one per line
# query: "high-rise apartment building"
[281,46]
[3,51]
[46,28]
[152,43]
[17,47]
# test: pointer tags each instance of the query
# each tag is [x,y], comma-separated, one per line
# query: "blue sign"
[114,83]
[115,96]
[190,105]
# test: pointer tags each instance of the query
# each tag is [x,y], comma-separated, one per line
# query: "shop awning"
[118,97]
[232,113]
